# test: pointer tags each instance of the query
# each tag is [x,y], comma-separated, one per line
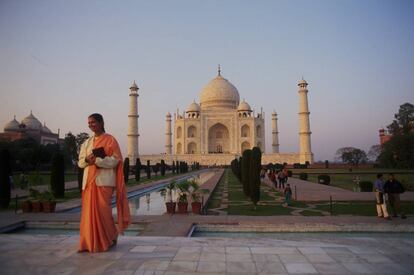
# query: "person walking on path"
[101,158]
[394,188]
[379,195]
[272,177]
[285,175]
[288,194]
[281,178]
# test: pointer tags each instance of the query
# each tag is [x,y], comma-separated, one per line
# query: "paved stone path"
[310,191]
[45,254]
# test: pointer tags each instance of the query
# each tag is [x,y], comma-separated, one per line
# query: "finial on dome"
[134,87]
[219,70]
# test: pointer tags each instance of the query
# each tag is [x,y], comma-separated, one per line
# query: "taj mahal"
[219,128]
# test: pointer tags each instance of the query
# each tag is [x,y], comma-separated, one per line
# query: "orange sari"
[97,227]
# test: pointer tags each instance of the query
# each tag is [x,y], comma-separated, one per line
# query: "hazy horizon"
[67,59]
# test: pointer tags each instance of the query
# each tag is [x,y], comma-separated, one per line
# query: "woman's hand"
[90,159]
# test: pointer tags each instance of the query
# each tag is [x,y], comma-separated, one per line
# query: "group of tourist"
[280,176]
[279,179]
[392,188]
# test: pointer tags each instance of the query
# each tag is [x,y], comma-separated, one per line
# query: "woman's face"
[95,125]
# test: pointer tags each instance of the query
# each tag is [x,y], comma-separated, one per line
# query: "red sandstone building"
[384,136]
[30,127]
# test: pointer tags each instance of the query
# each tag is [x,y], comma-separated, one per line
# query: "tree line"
[247,169]
[397,152]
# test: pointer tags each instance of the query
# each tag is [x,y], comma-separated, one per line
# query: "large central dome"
[219,94]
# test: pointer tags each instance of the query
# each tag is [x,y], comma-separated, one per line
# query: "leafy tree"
[70,146]
[351,155]
[254,175]
[5,173]
[374,152]
[404,120]
[398,152]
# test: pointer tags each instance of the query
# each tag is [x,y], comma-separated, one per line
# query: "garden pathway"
[313,192]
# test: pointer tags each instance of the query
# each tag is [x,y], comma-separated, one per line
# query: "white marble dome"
[219,93]
[12,125]
[194,107]
[32,123]
[244,106]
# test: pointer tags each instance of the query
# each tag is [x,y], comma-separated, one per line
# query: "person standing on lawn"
[380,198]
[394,188]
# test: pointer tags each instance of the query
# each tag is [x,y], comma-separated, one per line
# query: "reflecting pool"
[152,202]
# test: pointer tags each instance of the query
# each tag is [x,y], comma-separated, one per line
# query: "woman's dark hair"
[99,118]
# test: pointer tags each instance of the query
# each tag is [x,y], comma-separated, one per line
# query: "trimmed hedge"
[303,176]
[324,179]
[366,186]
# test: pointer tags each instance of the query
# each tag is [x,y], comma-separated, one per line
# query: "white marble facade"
[220,127]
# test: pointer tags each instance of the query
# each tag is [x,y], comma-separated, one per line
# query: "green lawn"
[240,205]
[362,208]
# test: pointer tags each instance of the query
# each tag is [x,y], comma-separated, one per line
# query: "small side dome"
[168,114]
[244,106]
[194,107]
[12,126]
[32,123]
[45,129]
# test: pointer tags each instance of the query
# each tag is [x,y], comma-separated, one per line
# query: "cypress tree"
[239,174]
[254,175]
[245,172]
[5,173]
[148,169]
[80,178]
[138,170]
[162,167]
[57,177]
[126,170]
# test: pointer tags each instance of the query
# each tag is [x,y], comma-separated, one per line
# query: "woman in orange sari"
[101,159]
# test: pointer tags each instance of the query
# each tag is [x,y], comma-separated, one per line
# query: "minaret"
[275,134]
[168,135]
[133,125]
[305,150]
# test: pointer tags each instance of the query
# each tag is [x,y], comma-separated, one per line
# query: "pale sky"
[67,59]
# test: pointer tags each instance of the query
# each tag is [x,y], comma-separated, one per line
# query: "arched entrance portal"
[218,139]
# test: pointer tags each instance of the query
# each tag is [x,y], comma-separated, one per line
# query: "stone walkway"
[43,254]
[310,191]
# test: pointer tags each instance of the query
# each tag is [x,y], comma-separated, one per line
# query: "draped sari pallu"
[97,227]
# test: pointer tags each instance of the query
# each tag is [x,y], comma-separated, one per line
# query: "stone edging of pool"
[305,228]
